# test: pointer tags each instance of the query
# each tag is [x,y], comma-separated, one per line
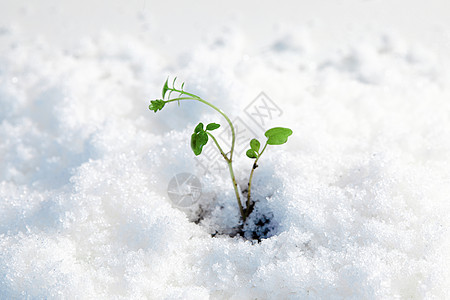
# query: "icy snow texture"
[359,194]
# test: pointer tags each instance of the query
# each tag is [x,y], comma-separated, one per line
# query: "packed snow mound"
[358,196]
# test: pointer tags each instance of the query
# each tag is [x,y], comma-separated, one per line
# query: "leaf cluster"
[275,136]
[200,137]
[158,104]
[253,152]
[166,88]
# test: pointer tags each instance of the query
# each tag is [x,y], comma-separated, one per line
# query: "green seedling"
[275,136]
[201,136]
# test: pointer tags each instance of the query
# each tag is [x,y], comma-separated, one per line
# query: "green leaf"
[212,126]
[198,140]
[194,144]
[165,87]
[156,105]
[198,128]
[175,79]
[203,137]
[277,135]
[251,153]
[254,144]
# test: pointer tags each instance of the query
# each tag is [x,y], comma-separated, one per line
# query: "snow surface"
[358,196]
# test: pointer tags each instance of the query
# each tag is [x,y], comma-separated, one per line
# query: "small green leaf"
[198,128]
[198,140]
[254,144]
[203,137]
[156,105]
[175,79]
[212,126]
[277,135]
[165,87]
[251,153]
[194,144]
[182,86]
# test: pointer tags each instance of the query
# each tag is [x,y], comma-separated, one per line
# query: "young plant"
[201,135]
[275,136]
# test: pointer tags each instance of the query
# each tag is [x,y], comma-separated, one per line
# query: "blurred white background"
[173,26]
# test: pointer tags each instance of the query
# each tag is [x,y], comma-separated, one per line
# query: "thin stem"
[230,167]
[236,191]
[218,146]
[255,165]
[181,98]
[183,92]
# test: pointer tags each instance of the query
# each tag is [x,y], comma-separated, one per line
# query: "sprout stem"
[255,165]
[218,146]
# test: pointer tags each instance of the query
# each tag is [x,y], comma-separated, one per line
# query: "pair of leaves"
[199,138]
[253,152]
[275,136]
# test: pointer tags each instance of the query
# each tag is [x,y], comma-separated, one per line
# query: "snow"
[357,198]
